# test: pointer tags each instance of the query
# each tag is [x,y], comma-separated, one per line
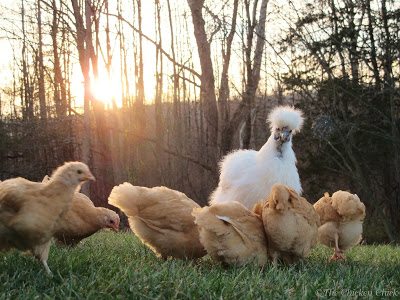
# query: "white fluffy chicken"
[29,211]
[247,176]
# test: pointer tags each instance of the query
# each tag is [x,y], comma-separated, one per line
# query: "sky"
[104,89]
[6,50]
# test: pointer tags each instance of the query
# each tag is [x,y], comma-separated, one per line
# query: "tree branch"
[166,54]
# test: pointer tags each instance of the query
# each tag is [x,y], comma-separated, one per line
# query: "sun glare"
[106,91]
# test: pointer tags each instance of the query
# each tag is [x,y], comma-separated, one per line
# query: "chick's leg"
[337,254]
[274,257]
[41,252]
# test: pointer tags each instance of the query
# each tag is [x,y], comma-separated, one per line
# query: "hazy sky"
[6,49]
[186,48]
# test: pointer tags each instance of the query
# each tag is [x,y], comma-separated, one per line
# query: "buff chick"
[231,233]
[342,217]
[29,211]
[161,218]
[290,223]
[83,219]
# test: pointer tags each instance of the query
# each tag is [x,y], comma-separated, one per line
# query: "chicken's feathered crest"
[282,116]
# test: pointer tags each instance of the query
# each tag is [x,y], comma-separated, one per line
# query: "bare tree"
[26,88]
[140,97]
[207,96]
[177,119]
[41,79]
[253,68]
[60,93]
[223,96]
[372,38]
[84,60]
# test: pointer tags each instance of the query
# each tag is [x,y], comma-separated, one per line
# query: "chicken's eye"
[111,221]
[79,171]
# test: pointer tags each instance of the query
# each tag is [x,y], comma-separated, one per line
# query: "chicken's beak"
[88,177]
[115,227]
[284,136]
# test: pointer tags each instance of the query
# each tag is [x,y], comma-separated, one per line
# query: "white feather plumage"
[247,176]
[286,116]
[224,218]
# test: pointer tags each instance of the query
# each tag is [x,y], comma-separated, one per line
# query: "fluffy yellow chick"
[83,219]
[342,216]
[29,211]
[231,233]
[290,223]
[161,218]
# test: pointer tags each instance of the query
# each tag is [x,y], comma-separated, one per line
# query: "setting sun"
[107,91]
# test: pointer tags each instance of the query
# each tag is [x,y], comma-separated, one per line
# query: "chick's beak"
[285,136]
[88,176]
[115,226]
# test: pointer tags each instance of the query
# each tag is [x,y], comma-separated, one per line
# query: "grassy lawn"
[110,265]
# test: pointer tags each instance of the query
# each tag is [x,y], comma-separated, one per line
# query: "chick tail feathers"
[126,197]
[204,219]
[258,208]
[218,224]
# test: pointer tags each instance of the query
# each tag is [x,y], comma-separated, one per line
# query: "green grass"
[118,266]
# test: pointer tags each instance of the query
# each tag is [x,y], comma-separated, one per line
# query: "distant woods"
[195,80]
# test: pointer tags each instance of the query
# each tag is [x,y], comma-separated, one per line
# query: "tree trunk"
[60,94]
[223,96]
[374,62]
[26,94]
[104,165]
[253,77]
[42,91]
[159,93]
[84,58]
[140,113]
[122,57]
[176,101]
[353,52]
[338,43]
[207,93]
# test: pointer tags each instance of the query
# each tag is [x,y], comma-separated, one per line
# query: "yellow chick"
[29,211]
[231,233]
[83,219]
[290,223]
[161,218]
[342,217]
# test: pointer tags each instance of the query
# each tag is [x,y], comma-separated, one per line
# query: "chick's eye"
[79,171]
[111,221]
